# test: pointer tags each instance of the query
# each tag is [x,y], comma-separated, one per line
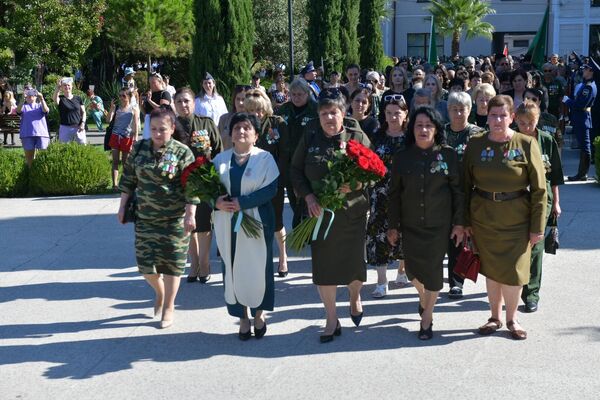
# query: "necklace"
[242,155]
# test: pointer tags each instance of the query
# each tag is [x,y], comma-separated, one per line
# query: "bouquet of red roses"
[353,165]
[200,179]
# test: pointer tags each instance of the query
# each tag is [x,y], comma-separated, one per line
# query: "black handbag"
[132,202]
[130,209]
[108,133]
[551,243]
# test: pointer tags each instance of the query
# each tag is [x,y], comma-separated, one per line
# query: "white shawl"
[244,281]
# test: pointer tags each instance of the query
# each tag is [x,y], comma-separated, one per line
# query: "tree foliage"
[369,32]
[54,33]
[158,28]
[222,44]
[455,17]
[271,37]
[349,32]
[324,33]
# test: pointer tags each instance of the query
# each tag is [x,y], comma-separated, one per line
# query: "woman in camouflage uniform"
[164,217]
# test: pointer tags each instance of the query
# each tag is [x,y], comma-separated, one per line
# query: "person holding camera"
[72,113]
[34,129]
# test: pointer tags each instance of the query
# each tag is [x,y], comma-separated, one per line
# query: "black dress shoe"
[259,333]
[282,274]
[531,306]
[204,279]
[356,318]
[245,335]
[191,279]
[336,332]
[426,334]
[577,178]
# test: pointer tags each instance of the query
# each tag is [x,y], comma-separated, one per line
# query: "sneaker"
[400,282]
[380,291]
[455,293]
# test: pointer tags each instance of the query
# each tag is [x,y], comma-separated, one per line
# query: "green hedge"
[62,169]
[597,158]
[14,175]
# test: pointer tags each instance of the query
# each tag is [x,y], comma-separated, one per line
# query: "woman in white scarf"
[250,176]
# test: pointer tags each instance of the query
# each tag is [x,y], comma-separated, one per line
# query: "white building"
[573,25]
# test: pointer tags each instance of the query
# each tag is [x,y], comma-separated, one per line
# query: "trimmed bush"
[13,173]
[70,169]
[596,145]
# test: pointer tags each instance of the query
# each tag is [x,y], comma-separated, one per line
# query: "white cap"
[372,76]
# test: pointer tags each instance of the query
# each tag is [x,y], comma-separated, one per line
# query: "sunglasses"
[393,97]
[243,87]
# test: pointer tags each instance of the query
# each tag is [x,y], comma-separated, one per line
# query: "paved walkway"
[74,323]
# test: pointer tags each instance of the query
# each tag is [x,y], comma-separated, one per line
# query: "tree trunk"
[455,43]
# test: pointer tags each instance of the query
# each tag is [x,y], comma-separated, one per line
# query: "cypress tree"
[222,44]
[349,32]
[324,33]
[370,35]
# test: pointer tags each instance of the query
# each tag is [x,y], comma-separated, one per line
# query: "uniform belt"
[501,196]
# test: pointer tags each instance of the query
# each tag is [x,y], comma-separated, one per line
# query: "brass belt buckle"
[494,197]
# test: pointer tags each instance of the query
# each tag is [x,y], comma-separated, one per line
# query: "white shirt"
[210,106]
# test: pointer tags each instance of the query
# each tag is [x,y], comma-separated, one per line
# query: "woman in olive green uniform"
[527,119]
[201,136]
[339,258]
[274,138]
[296,113]
[426,204]
[165,217]
[506,200]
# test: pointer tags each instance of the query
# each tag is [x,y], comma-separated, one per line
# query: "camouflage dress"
[379,251]
[160,240]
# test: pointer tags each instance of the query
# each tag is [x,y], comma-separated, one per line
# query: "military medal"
[167,165]
[201,140]
[487,154]
[439,165]
[512,155]
[273,136]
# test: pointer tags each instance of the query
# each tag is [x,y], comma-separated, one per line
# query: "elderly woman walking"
[330,265]
[506,197]
[250,176]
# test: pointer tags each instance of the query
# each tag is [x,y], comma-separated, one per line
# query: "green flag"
[432,56]
[537,49]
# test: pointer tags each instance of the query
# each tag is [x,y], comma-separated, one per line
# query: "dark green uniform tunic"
[501,229]
[160,240]
[274,138]
[200,134]
[296,119]
[554,177]
[425,201]
[340,258]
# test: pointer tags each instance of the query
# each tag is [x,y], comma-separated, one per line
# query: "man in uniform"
[581,117]
[309,73]
[554,87]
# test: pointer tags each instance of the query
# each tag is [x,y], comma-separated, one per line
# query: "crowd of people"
[472,151]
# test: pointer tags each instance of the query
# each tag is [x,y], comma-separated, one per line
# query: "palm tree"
[453,17]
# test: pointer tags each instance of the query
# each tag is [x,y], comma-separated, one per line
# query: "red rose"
[363,163]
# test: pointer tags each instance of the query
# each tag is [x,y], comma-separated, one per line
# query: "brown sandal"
[490,327]
[517,334]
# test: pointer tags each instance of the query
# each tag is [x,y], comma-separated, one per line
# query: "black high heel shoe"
[356,318]
[336,332]
[425,334]
[191,279]
[204,279]
[259,333]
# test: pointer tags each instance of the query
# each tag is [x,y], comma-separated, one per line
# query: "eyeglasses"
[331,94]
[393,97]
